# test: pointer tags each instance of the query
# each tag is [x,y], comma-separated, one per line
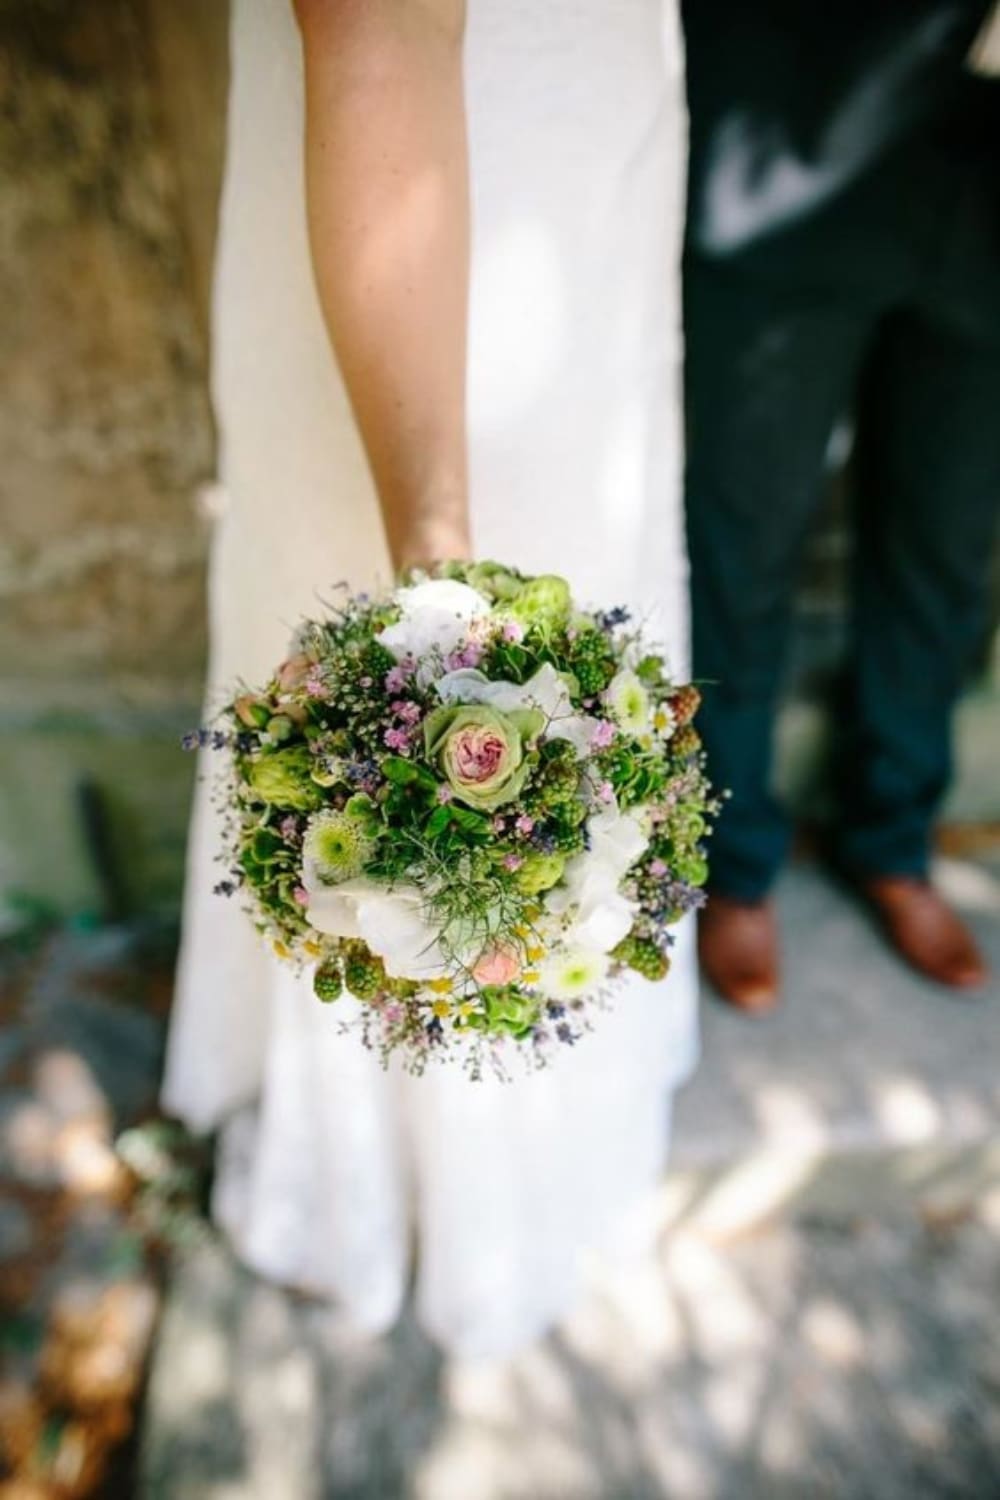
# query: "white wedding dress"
[334,1175]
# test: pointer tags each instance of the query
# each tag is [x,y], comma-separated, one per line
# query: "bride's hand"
[425,535]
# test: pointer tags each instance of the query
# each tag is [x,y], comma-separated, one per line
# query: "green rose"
[494,580]
[544,600]
[540,872]
[284,778]
[480,752]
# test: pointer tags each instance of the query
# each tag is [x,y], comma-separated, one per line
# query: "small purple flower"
[513,632]
[191,740]
[397,739]
[499,824]
[470,655]
[617,616]
[224,888]
[406,710]
[301,895]
[393,1013]
[605,792]
[398,677]
[366,682]
[443,794]
[314,685]
[603,735]
[524,824]
[658,868]
[545,842]
[512,861]
[288,827]
[565,1033]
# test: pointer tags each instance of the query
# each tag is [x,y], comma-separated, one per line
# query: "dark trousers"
[887,305]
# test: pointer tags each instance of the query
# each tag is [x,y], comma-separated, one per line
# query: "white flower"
[618,838]
[391,922]
[589,894]
[546,691]
[571,972]
[628,701]
[436,617]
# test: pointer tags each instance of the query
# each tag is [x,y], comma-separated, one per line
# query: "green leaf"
[469,821]
[399,771]
[437,822]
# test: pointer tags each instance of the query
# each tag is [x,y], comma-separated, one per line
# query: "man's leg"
[768,372]
[928,498]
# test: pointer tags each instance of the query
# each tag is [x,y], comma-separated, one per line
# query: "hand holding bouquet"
[470,805]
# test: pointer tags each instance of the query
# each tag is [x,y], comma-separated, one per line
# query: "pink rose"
[497,966]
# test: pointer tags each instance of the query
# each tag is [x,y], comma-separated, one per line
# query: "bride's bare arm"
[388,201]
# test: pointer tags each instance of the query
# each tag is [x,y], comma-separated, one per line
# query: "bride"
[534,415]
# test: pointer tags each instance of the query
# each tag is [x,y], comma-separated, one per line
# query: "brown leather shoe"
[924,930]
[738,948]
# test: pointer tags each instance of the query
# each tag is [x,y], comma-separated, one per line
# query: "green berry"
[559,781]
[364,974]
[327,983]
[643,956]
[568,838]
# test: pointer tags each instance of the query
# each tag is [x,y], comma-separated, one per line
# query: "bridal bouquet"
[469,804]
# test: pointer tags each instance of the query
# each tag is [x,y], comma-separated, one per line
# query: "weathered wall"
[105,428]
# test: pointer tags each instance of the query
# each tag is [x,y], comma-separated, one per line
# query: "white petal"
[393,925]
[603,925]
[333,909]
[468,685]
[436,617]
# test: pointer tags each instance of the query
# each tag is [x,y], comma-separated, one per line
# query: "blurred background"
[832,1227]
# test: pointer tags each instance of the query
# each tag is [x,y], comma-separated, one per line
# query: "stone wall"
[110,142]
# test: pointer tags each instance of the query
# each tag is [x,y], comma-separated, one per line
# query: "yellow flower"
[441,1008]
[530,976]
[313,949]
[467,1009]
[281,949]
[440,986]
[534,954]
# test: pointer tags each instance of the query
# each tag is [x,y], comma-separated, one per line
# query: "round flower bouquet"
[469,805]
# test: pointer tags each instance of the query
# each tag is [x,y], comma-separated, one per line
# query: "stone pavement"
[820,1324]
[81,1025]
[869,1089]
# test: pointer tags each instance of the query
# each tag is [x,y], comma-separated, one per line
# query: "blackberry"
[364,974]
[643,956]
[327,983]
[591,662]
[684,703]
[566,838]
[557,781]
